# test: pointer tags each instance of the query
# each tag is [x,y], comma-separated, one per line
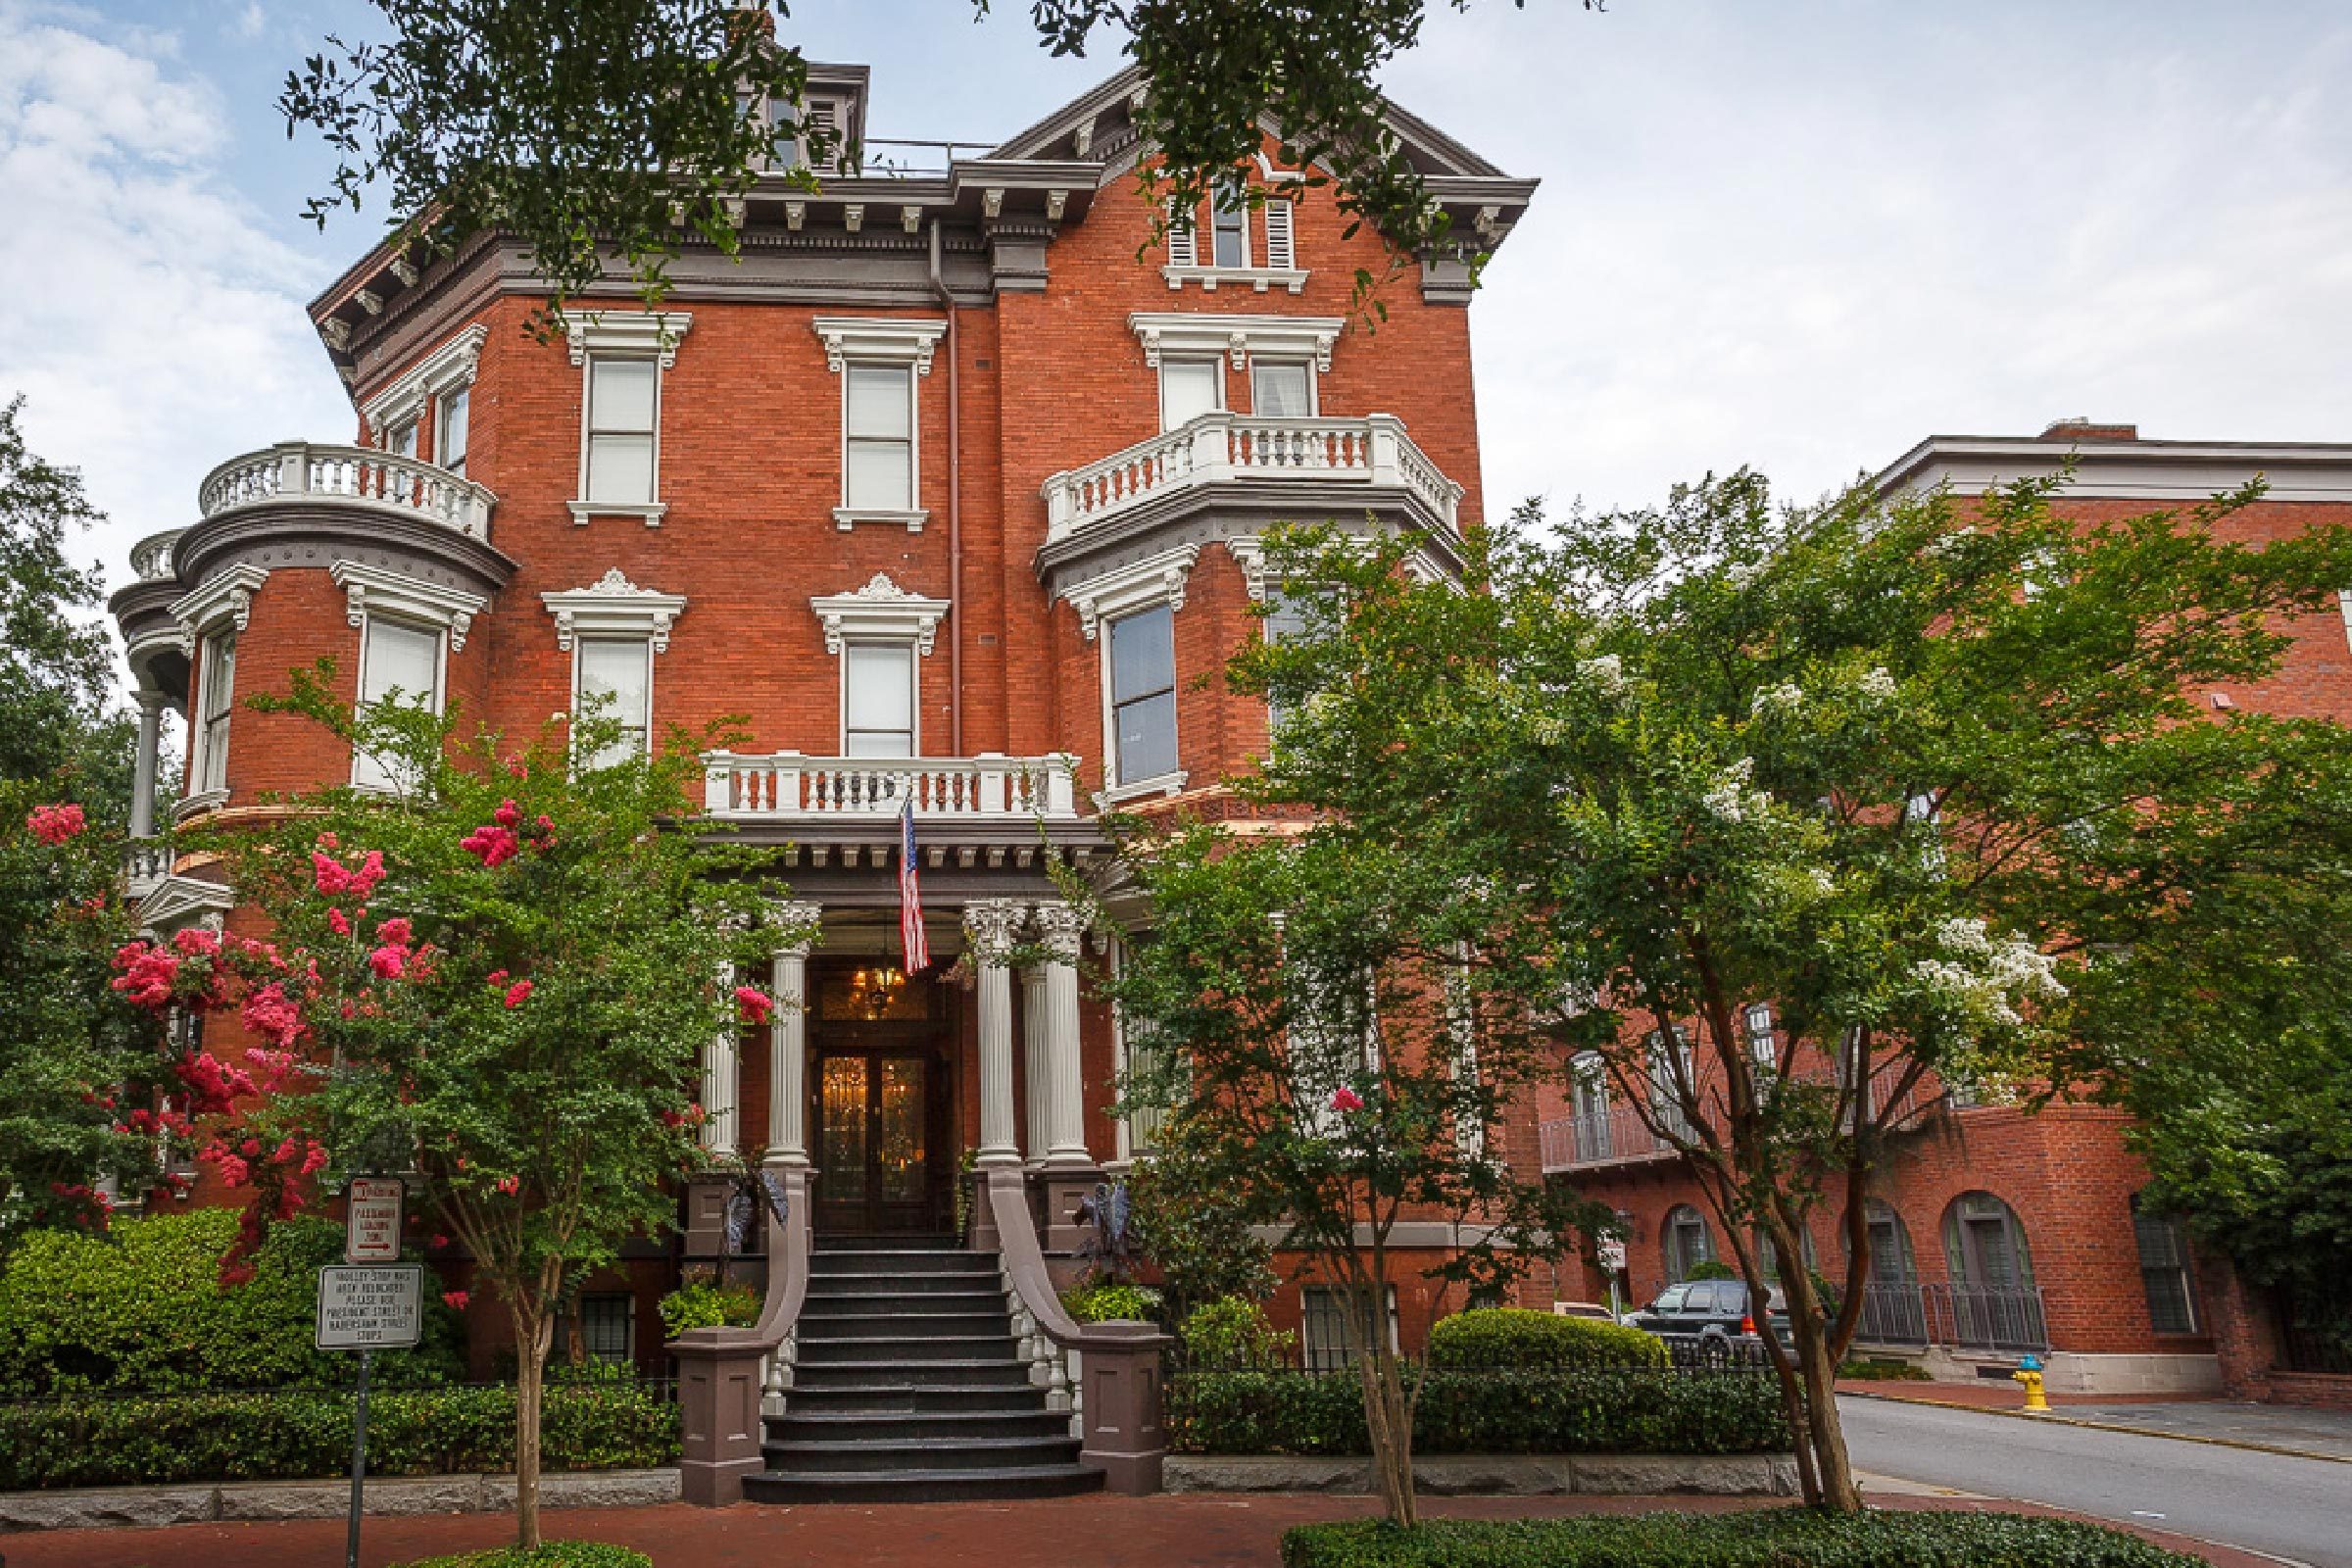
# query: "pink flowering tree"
[1313,1019]
[498,980]
[80,1072]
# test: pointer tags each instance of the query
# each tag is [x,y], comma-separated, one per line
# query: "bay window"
[453,409]
[1143,695]
[400,662]
[216,700]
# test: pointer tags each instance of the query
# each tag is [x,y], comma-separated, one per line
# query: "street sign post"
[369,1307]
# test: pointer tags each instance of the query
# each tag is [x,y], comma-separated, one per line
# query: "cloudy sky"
[1798,236]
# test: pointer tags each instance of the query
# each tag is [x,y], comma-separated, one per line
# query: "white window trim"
[1238,336]
[225,597]
[200,745]
[615,608]
[1258,278]
[648,648]
[441,635]
[880,611]
[1314,382]
[370,590]
[1154,580]
[632,335]
[882,340]
[914,691]
[445,370]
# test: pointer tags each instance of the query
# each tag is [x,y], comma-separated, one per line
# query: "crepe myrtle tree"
[497,979]
[1319,1036]
[614,130]
[1919,777]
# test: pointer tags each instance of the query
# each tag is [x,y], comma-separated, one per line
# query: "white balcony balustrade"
[357,476]
[1222,448]
[151,556]
[782,785]
[1598,1137]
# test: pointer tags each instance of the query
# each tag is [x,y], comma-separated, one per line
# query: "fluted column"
[1033,1058]
[143,767]
[718,1076]
[1060,926]
[989,926]
[788,1039]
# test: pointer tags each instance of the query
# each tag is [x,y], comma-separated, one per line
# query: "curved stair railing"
[728,1377]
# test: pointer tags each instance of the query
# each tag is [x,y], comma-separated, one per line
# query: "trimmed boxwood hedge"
[1490,1336]
[1773,1538]
[1588,1410]
[548,1555]
[287,1435]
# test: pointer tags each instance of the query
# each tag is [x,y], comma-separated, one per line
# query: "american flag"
[911,940]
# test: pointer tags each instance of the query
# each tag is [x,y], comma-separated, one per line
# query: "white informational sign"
[1612,1256]
[371,1217]
[370,1309]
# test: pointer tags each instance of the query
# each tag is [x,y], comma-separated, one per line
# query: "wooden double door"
[882,1113]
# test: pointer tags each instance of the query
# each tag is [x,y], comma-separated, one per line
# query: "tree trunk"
[533,1331]
[1820,1437]
[1385,1417]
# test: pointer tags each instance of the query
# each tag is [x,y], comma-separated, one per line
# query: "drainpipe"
[954,509]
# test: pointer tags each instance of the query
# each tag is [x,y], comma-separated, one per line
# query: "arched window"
[1688,1244]
[1890,1258]
[1984,1244]
[2164,1271]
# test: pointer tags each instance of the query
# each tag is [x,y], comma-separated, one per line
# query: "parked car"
[1711,1319]
[1592,1310]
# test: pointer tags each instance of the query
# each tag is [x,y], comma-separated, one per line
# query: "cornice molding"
[879,610]
[372,589]
[897,339]
[1156,578]
[641,332]
[614,607]
[446,369]
[225,597]
[1239,335]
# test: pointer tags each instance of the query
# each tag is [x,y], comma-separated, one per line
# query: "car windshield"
[1670,1300]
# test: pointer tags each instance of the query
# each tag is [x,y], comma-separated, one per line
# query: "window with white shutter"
[1183,248]
[1281,257]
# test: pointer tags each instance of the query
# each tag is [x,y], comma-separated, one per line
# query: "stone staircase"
[909,1386]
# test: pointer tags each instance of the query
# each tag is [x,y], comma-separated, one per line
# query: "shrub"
[290,1434]
[1775,1538]
[1105,1302]
[1487,1338]
[549,1554]
[142,1311]
[1586,1411]
[1234,1332]
[1712,1269]
[1875,1370]
[706,1304]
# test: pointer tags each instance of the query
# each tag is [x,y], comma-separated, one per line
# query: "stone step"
[888,1241]
[898,1373]
[982,1324]
[870,1456]
[907,1398]
[898,1262]
[923,1486]
[830,1426]
[910,1349]
[849,1290]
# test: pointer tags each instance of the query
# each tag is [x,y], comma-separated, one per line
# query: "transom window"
[622,393]
[1143,695]
[877,701]
[616,676]
[878,451]
[216,703]
[1190,386]
[452,411]
[400,662]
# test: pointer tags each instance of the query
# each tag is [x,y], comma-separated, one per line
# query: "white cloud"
[251,20]
[157,324]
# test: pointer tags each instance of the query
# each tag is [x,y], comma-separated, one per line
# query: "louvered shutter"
[1280,256]
[824,115]
[1183,239]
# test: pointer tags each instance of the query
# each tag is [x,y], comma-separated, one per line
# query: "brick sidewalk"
[1991,1393]
[1102,1532]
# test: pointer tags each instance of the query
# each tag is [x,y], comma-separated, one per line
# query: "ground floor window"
[608,1325]
[1688,1244]
[1984,1244]
[1330,1336]
[2164,1271]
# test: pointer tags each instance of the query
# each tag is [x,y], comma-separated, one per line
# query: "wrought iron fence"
[1985,1317]
[1893,1314]
[2309,1344]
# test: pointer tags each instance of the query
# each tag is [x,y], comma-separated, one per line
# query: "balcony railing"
[151,556]
[1218,448]
[791,784]
[146,865]
[1985,1317]
[1598,1137]
[1893,1314]
[362,476]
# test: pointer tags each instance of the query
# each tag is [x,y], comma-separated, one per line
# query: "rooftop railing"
[359,476]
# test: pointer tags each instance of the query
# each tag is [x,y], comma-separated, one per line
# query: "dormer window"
[1229,233]
[1244,242]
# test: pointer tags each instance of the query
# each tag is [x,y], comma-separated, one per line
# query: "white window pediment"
[372,589]
[445,370]
[1240,337]
[898,340]
[614,607]
[228,597]
[882,611]
[644,332]
[1154,579]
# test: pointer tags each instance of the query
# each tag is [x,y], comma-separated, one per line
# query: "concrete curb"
[394,1496]
[1506,1475]
[2057,1415]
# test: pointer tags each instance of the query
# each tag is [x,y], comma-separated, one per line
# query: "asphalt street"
[2288,1507]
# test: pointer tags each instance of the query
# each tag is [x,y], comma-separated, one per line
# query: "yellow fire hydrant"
[2028,1373]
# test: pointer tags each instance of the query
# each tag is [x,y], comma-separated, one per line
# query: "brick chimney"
[2089,431]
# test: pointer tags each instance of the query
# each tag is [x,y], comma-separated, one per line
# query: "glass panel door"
[898,1143]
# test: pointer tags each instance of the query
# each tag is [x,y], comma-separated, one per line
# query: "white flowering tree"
[1792,815]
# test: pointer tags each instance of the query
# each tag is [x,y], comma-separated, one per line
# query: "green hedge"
[548,1555]
[1620,1410]
[140,1310]
[1488,1337]
[285,1435]
[1775,1538]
